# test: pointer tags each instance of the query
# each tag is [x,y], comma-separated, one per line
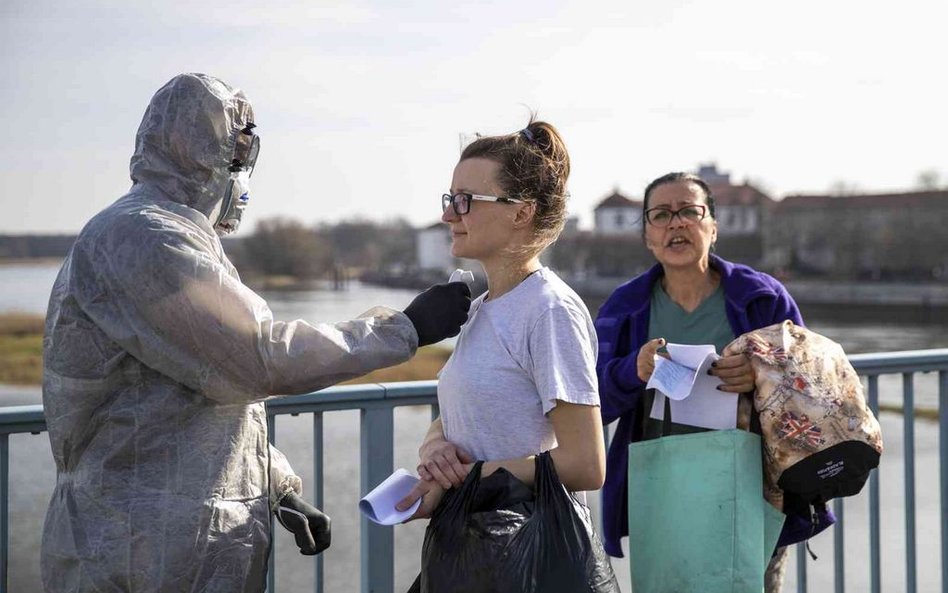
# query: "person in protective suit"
[157,360]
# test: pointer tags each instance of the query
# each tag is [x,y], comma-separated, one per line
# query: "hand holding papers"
[686,372]
[684,379]
[379,504]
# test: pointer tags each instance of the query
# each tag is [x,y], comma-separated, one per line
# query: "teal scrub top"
[707,324]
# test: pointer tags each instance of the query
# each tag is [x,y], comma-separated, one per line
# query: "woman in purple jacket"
[690,296]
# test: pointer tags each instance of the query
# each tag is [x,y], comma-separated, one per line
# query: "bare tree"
[844,188]
[370,245]
[283,247]
[928,180]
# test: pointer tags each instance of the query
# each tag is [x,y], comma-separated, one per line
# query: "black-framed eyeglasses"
[662,217]
[461,202]
[246,150]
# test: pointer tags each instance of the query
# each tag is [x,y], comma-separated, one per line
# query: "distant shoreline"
[911,297]
[888,296]
[31,261]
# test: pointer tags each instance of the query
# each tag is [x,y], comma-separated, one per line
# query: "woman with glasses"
[691,296]
[522,377]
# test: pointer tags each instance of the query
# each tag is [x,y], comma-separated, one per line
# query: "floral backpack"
[820,439]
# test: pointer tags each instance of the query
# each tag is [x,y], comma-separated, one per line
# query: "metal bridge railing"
[376,404]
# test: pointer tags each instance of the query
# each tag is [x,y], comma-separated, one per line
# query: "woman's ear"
[525,214]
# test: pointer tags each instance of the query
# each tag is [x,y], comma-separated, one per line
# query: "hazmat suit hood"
[156,361]
[188,138]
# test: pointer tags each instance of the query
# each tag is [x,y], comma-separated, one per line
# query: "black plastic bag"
[493,535]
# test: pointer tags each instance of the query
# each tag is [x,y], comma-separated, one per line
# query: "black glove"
[308,524]
[439,312]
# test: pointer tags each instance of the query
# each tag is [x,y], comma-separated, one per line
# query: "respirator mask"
[227,217]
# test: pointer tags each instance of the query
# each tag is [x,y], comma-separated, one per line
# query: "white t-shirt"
[515,358]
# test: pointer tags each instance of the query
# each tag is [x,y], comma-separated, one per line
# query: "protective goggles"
[246,150]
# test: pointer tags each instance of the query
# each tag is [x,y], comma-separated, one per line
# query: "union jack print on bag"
[820,439]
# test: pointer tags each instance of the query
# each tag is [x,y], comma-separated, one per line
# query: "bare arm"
[175,305]
[579,456]
[440,459]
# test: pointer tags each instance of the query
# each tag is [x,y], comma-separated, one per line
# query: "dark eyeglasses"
[461,202]
[662,217]
[246,150]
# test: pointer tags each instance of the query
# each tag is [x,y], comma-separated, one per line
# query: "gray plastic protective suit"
[156,359]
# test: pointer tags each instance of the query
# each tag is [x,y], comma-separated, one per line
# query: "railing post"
[4,509]
[801,567]
[271,561]
[875,557]
[908,430]
[318,492]
[377,457]
[943,464]
[839,555]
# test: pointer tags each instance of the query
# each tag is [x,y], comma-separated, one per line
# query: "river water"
[26,288]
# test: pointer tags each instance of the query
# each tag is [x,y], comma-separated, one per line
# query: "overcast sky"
[360,104]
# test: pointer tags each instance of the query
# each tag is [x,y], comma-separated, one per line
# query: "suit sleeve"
[283,479]
[165,297]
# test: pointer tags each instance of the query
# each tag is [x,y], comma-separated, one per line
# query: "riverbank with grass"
[423,366]
[21,338]
[21,356]
[21,349]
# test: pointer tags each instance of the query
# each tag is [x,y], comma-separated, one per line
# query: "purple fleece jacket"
[752,300]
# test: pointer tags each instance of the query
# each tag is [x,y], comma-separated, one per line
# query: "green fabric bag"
[698,521]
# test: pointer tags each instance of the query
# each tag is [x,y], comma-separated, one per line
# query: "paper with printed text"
[695,399]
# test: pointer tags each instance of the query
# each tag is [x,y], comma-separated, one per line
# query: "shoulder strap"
[666,417]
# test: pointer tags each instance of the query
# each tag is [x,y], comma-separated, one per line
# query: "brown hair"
[534,166]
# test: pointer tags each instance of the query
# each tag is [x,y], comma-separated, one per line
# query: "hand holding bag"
[544,545]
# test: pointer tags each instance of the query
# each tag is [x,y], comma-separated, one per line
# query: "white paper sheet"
[685,372]
[716,410]
[690,355]
[379,504]
[684,379]
[671,378]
